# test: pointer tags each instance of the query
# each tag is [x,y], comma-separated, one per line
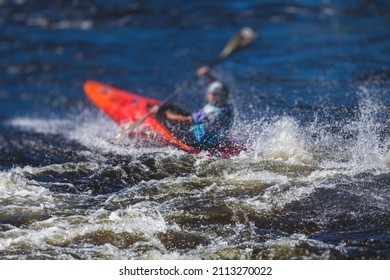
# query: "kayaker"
[211,125]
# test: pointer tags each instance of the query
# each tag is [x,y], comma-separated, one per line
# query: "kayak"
[126,107]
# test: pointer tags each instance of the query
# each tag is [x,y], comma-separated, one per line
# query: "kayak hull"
[126,107]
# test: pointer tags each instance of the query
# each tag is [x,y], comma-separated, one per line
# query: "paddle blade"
[241,40]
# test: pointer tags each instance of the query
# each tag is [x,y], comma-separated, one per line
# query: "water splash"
[280,139]
[370,150]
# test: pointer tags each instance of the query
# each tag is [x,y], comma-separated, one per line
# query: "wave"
[295,189]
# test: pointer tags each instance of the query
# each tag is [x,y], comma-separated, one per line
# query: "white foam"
[142,219]
[39,125]
[285,247]
[14,185]
[97,133]
[76,24]
[273,198]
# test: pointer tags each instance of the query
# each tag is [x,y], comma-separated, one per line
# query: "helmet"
[219,90]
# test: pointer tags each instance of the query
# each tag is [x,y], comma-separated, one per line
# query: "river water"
[311,97]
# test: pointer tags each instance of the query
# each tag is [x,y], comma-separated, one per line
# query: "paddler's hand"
[206,72]
[203,71]
[155,109]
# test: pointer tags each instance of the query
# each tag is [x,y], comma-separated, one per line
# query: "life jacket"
[212,124]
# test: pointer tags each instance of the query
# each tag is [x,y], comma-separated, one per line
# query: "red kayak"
[126,107]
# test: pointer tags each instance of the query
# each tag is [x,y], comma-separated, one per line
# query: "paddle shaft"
[243,39]
[178,91]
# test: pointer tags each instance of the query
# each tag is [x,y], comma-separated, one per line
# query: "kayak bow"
[126,108]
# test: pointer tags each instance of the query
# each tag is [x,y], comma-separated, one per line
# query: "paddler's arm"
[176,117]
[172,116]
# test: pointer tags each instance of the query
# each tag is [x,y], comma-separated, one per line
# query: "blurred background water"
[311,97]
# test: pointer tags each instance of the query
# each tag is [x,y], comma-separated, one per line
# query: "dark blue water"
[311,96]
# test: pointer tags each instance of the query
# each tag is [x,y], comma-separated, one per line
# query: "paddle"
[238,42]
